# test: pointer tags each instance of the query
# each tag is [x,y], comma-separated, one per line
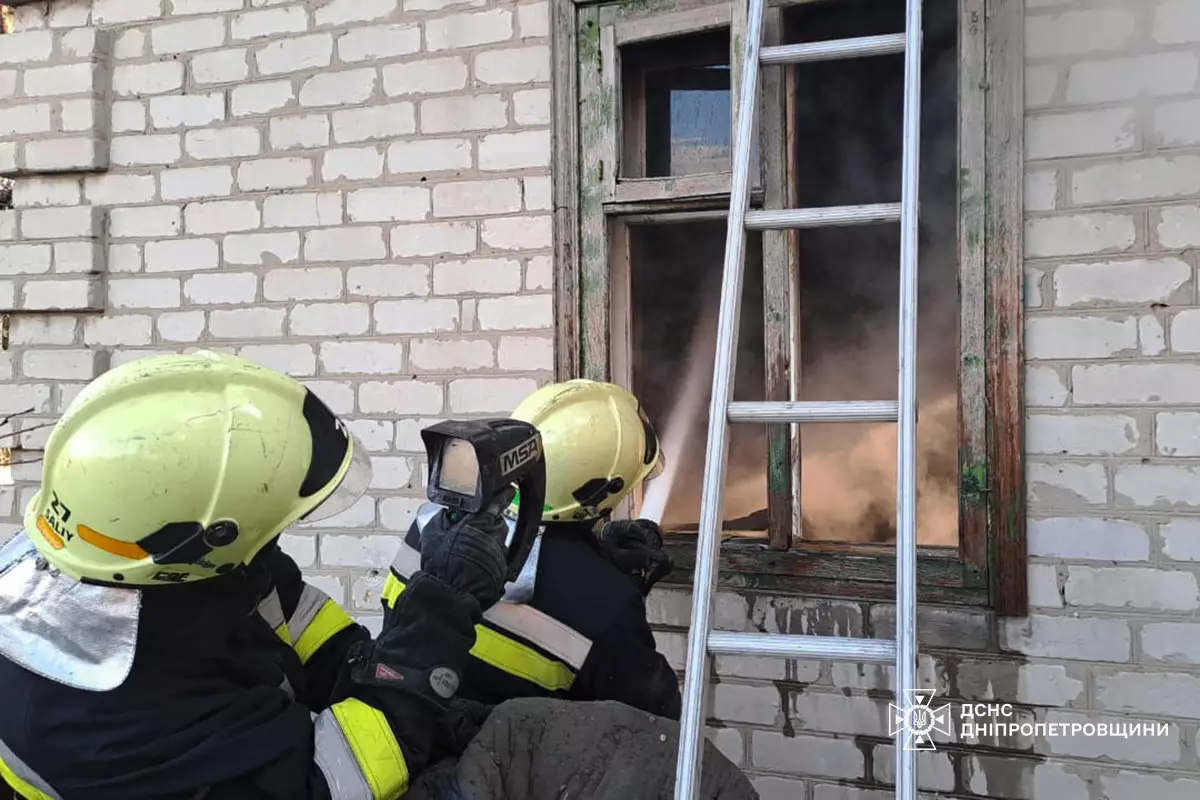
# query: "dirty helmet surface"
[164,471]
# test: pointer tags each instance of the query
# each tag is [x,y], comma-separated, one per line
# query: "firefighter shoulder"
[155,641]
[573,625]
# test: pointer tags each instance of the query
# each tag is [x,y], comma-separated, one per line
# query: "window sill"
[860,572]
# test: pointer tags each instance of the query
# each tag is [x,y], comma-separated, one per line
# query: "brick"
[66,155]
[26,259]
[147,79]
[1165,694]
[539,273]
[130,44]
[344,244]
[1081,638]
[534,20]
[128,330]
[113,189]
[1080,234]
[484,395]
[221,216]
[388,280]
[468,30]
[247,323]
[459,114]
[145,150]
[518,233]
[1077,32]
[270,22]
[1142,179]
[374,122]
[522,65]
[427,76]
[16,399]
[476,198]
[1068,484]
[1132,587]
[290,359]
[274,173]
[330,319]
[343,12]
[1078,435]
[1122,79]
[1181,539]
[1081,133]
[366,358]
[262,248]
[521,312]
[1176,22]
[1171,642]
[934,770]
[78,116]
[223,288]
[371,552]
[225,66]
[538,194]
[525,353]
[388,204]
[26,47]
[1135,384]
[317,283]
[184,37]
[400,397]
[1134,786]
[433,355]
[1115,283]
[111,12]
[43,330]
[192,183]
[1158,485]
[807,755]
[378,43]
[8,157]
[352,163]
[376,435]
[65,79]
[143,221]
[1087,539]
[302,210]
[222,143]
[64,365]
[1185,331]
[1177,124]
[310,130]
[184,7]
[181,255]
[78,257]
[438,238]
[531,107]
[1179,226]
[1178,434]
[286,56]
[181,326]
[264,97]
[391,473]
[1047,685]
[397,513]
[25,119]
[77,222]
[482,276]
[8,225]
[505,151]
[37,192]
[144,293]
[415,316]
[338,88]
[338,395]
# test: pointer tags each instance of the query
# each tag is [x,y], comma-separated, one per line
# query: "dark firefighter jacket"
[222,703]
[584,635]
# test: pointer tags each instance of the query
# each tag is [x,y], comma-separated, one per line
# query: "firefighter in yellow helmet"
[573,625]
[155,642]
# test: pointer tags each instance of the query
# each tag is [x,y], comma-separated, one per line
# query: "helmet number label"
[57,515]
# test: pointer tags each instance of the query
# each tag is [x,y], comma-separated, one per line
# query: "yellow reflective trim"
[283,633]
[326,623]
[19,786]
[374,747]
[503,653]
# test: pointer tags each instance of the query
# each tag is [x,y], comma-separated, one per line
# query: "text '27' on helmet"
[599,447]
[180,468]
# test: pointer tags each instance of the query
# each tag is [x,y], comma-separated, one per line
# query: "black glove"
[458,726]
[466,552]
[635,546]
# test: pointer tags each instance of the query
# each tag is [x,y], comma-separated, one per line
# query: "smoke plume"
[848,119]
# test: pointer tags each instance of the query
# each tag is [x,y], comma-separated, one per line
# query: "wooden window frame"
[593,204]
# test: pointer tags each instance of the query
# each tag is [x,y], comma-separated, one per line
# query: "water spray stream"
[682,420]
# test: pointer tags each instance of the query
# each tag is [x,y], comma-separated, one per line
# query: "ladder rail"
[906,439]
[688,765]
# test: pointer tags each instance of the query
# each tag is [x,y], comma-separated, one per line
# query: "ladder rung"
[786,645]
[828,217]
[858,47]
[840,411]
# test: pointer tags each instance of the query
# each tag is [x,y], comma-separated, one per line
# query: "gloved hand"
[466,552]
[635,547]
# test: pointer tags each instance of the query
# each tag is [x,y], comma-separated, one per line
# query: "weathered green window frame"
[593,205]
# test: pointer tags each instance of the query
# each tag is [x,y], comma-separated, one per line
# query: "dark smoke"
[849,151]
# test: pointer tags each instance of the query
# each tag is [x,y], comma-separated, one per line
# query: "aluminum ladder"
[702,640]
